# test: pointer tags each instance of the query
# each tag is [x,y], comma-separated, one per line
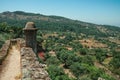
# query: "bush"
[100,55]
[83,51]
[52,61]
[88,59]
[1,43]
[85,78]
[70,60]
[78,69]
[63,77]
[115,62]
[95,73]
[55,71]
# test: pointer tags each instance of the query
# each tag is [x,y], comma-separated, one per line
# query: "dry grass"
[91,43]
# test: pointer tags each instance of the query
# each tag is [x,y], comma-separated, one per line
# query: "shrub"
[55,71]
[52,61]
[78,69]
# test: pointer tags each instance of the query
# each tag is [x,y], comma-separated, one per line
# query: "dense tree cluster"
[79,60]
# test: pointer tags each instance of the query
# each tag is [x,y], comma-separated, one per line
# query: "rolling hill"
[74,50]
[57,23]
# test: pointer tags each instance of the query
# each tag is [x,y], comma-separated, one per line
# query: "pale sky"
[94,11]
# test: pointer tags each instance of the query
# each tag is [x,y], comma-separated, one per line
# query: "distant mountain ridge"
[57,23]
[20,15]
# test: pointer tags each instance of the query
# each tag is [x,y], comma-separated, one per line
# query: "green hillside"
[74,50]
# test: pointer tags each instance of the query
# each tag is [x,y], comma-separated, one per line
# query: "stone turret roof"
[30,26]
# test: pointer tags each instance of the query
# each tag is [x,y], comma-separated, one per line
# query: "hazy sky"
[95,11]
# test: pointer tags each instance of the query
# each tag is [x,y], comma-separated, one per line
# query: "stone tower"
[30,31]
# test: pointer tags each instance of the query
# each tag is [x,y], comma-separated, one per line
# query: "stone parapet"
[4,51]
[31,68]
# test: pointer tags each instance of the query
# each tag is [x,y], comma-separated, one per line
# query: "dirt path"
[10,70]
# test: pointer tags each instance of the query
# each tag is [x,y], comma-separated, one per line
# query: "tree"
[55,71]
[115,62]
[88,59]
[70,60]
[83,51]
[63,57]
[100,55]
[63,77]
[52,61]
[78,69]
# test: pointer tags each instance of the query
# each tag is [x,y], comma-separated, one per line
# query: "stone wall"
[31,69]
[4,51]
